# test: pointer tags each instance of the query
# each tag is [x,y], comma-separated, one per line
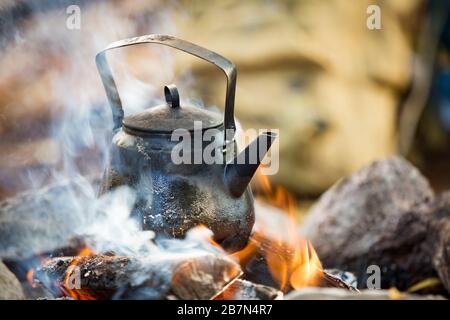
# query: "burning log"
[280,264]
[118,277]
[378,216]
[287,266]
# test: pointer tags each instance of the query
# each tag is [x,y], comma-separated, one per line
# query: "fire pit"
[277,262]
[196,267]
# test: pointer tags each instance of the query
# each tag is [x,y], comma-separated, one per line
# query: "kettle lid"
[171,116]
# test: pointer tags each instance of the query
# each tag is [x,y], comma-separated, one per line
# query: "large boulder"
[378,216]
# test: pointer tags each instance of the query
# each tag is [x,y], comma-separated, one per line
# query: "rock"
[41,220]
[439,237]
[246,290]
[345,276]
[340,294]
[10,288]
[377,216]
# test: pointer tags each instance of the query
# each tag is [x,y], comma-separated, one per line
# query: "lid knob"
[172,96]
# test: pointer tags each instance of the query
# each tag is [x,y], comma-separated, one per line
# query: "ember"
[30,280]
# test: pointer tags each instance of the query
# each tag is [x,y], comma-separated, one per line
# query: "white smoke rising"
[81,120]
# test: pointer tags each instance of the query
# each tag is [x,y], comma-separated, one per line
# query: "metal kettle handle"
[221,62]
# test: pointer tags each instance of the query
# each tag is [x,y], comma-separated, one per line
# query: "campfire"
[266,268]
[139,225]
[222,260]
[277,261]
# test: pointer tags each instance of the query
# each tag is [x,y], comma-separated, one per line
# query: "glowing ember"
[292,261]
[30,278]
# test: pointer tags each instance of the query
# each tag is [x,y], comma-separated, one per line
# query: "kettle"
[173,196]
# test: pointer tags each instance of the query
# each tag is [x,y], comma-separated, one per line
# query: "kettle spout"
[241,169]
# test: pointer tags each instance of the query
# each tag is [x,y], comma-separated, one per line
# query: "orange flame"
[244,255]
[292,261]
[67,287]
[30,278]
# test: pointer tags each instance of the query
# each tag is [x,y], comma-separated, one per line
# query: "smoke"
[45,49]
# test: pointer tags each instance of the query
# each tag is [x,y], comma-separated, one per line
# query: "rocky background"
[313,69]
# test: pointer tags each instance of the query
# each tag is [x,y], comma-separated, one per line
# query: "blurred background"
[340,94]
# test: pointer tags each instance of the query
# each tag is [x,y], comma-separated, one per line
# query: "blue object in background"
[441,97]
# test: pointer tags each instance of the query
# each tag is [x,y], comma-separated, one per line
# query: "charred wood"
[257,268]
[118,277]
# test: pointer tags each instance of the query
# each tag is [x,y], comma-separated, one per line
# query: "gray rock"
[439,237]
[42,220]
[10,288]
[380,216]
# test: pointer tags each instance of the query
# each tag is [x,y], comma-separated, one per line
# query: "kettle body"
[172,196]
